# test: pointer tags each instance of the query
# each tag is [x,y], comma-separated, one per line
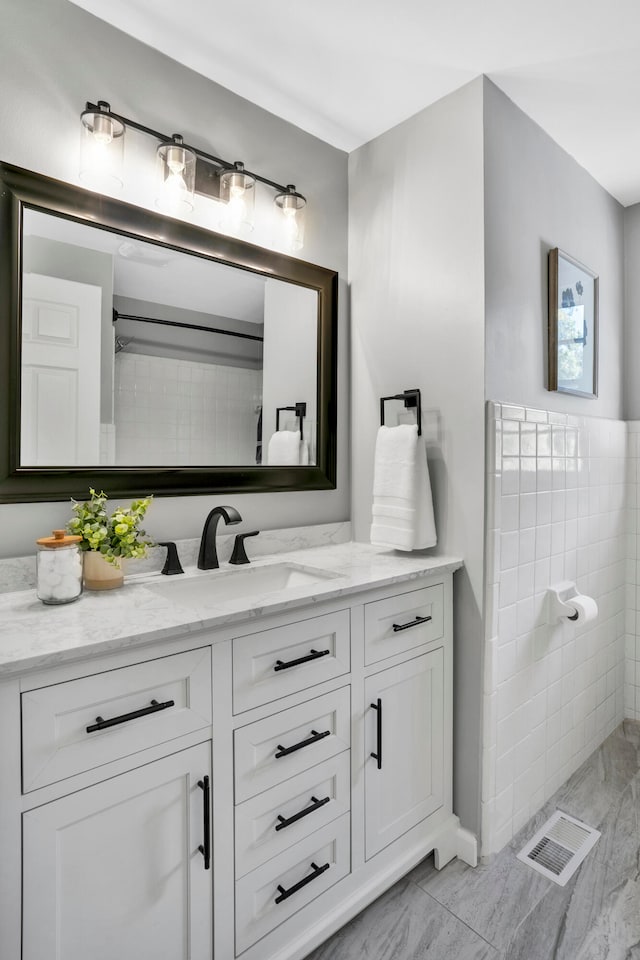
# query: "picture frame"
[573,326]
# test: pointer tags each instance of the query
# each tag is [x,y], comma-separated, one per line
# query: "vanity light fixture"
[292,205]
[237,191]
[101,147]
[176,177]
[183,171]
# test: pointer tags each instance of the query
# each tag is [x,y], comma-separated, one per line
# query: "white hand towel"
[402,502]
[284,448]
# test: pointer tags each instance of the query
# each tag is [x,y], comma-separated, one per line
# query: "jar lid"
[59,539]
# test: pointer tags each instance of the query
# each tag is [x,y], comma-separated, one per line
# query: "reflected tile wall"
[556,510]
[170,411]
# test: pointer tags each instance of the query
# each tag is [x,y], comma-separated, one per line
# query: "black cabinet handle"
[205,849]
[315,736]
[378,755]
[412,623]
[315,805]
[285,894]
[312,655]
[101,724]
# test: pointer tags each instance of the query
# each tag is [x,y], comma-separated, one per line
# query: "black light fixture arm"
[102,106]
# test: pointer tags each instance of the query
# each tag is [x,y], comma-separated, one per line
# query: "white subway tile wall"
[557,509]
[170,411]
[632,625]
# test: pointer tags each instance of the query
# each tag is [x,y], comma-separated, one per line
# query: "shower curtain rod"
[186,326]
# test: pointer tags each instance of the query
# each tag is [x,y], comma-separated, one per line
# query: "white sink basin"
[218,586]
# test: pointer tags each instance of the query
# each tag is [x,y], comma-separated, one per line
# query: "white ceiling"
[347,70]
[156,274]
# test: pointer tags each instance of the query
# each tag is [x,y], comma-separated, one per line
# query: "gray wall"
[55,56]
[160,341]
[632,312]
[538,197]
[416,274]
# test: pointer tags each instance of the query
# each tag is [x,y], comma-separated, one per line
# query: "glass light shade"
[238,196]
[101,149]
[176,166]
[291,205]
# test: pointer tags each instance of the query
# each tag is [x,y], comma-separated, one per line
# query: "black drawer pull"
[285,894]
[315,736]
[313,655]
[412,623]
[205,848]
[101,724]
[378,755]
[315,805]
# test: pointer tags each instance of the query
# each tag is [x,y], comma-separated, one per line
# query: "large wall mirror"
[142,354]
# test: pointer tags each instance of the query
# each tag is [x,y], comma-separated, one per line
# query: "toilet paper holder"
[560,606]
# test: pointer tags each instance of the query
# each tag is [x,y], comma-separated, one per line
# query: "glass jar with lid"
[59,568]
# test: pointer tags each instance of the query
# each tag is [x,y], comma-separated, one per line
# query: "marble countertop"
[34,635]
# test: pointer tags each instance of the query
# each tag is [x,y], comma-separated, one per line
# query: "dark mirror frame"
[21,188]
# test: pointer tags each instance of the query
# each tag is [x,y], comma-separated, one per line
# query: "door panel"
[115,870]
[60,403]
[409,786]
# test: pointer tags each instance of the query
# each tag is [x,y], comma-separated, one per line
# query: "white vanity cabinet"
[115,870]
[325,734]
[404,748]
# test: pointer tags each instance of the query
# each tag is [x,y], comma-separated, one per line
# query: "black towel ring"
[300,410]
[411,398]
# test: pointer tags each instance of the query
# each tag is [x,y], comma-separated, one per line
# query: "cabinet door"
[114,871]
[405,729]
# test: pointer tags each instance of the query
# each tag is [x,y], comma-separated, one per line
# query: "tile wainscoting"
[180,411]
[632,625]
[556,510]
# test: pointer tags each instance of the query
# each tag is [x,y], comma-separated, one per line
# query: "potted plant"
[107,540]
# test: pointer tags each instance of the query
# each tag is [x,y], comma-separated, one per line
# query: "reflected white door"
[60,414]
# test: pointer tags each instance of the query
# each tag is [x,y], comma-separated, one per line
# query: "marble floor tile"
[491,899]
[596,787]
[595,917]
[505,910]
[615,933]
[405,924]
[620,841]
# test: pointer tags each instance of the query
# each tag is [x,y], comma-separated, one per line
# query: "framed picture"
[573,326]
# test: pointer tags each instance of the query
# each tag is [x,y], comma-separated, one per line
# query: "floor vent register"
[559,847]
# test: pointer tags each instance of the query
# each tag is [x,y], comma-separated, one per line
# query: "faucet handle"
[172,563]
[239,554]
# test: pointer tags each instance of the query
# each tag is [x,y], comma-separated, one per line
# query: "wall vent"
[559,847]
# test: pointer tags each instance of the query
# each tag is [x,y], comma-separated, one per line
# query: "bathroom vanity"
[234,773]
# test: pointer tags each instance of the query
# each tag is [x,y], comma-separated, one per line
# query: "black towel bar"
[300,410]
[411,398]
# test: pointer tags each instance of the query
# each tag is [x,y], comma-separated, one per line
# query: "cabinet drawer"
[257,912]
[279,747]
[274,663]
[272,822]
[418,618]
[56,743]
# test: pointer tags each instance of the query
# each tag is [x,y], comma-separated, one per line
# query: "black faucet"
[172,563]
[239,554]
[208,555]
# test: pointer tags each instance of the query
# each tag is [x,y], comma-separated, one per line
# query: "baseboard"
[467,847]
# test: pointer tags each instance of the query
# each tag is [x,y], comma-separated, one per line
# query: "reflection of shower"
[121,342]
